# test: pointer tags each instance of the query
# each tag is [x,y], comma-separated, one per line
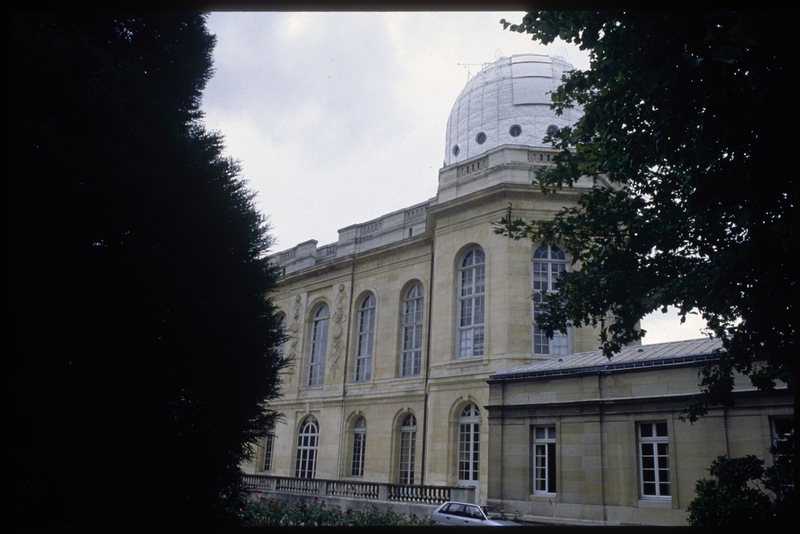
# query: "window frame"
[269,449]
[544,459]
[469,444]
[411,330]
[545,272]
[359,442]
[365,338]
[471,308]
[307,448]
[407,450]
[318,346]
[653,457]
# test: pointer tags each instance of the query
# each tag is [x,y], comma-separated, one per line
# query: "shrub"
[275,513]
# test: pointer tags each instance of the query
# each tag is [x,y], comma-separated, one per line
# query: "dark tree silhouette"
[144,340]
[692,115]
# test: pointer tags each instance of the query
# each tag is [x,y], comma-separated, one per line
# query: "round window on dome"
[480,138]
[552,129]
[456,150]
[515,130]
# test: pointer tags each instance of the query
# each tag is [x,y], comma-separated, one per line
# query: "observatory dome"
[506,103]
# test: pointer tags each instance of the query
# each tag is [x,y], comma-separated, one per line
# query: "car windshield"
[493,513]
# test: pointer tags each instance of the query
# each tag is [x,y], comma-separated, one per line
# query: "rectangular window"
[544,459]
[471,288]
[269,444]
[357,469]
[411,354]
[654,478]
[407,444]
[782,428]
[549,265]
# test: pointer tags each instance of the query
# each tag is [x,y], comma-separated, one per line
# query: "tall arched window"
[411,353]
[365,339]
[549,262]
[307,441]
[469,432]
[471,287]
[359,447]
[319,342]
[408,438]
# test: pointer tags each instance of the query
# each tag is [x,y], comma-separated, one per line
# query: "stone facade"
[384,258]
[595,408]
[376,393]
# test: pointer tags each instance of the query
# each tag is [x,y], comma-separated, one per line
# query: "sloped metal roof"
[633,357]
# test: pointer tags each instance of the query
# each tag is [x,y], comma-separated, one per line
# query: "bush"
[275,513]
[745,493]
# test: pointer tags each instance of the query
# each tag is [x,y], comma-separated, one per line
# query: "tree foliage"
[744,493]
[144,341]
[690,116]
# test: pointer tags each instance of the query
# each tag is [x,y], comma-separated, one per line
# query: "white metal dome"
[506,103]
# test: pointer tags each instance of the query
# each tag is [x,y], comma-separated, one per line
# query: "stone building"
[587,440]
[396,328]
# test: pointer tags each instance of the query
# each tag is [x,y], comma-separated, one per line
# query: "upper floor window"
[471,287]
[653,459]
[307,442]
[319,342]
[411,353]
[549,263]
[359,447]
[365,338]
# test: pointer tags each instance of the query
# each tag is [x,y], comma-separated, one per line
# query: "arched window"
[469,432]
[549,262]
[365,339]
[408,438]
[359,447]
[411,353]
[319,342]
[471,287]
[307,441]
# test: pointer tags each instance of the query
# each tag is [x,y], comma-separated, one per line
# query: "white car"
[462,514]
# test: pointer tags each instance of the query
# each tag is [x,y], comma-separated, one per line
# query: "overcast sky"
[337,118]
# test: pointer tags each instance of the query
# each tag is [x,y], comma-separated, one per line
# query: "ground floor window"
[654,478]
[359,448]
[307,439]
[269,446]
[408,438]
[544,459]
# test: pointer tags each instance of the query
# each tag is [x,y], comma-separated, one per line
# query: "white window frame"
[470,320]
[307,445]
[543,459]
[413,315]
[653,457]
[469,436]
[408,439]
[365,339]
[319,346]
[359,447]
[269,449]
[548,263]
